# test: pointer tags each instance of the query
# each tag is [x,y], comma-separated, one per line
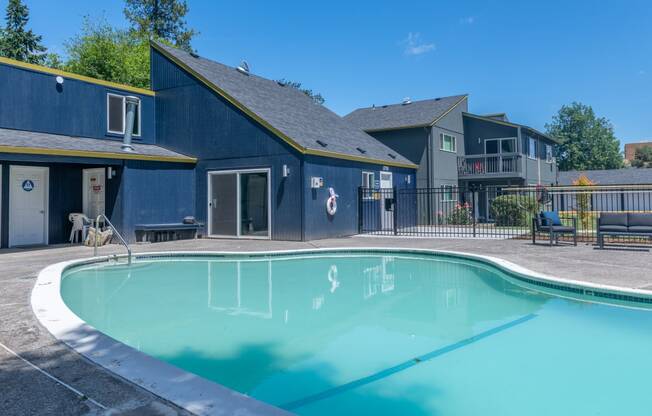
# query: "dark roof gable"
[401,116]
[287,112]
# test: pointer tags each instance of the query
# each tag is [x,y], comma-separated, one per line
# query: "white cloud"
[468,20]
[415,46]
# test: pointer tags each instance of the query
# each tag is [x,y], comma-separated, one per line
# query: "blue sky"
[525,58]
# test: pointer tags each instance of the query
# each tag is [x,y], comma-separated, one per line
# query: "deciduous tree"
[587,141]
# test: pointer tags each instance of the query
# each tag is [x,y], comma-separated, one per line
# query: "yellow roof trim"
[93,154]
[509,124]
[71,75]
[337,155]
[435,121]
[491,120]
[268,126]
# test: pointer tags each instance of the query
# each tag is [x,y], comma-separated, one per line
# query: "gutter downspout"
[429,173]
[131,103]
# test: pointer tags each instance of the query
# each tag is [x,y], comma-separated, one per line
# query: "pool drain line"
[404,365]
[50,376]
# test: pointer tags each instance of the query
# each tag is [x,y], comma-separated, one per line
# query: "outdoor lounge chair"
[617,224]
[550,223]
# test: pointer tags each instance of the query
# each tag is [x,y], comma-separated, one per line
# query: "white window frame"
[549,155]
[445,189]
[368,182]
[370,177]
[124,114]
[530,141]
[453,142]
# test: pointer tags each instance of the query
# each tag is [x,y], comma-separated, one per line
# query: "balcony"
[489,165]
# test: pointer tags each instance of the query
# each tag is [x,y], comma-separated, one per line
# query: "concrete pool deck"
[40,375]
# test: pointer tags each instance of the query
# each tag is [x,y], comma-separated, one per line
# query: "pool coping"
[204,397]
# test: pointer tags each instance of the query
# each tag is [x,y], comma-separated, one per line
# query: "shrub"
[514,210]
[460,215]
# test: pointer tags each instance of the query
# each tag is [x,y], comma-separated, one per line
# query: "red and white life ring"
[331,202]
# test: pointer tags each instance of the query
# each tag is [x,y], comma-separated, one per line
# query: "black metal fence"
[491,212]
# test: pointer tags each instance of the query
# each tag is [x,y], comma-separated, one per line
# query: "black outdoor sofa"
[623,224]
[552,225]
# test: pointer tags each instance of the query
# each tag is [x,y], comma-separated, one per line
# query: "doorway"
[239,203]
[28,205]
[94,192]
[387,208]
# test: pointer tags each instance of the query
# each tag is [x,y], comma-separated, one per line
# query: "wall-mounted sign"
[28,185]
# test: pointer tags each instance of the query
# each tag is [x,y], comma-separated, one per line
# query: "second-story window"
[448,143]
[532,148]
[549,155]
[116,110]
[368,179]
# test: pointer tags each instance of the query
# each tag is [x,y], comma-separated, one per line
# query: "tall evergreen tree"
[161,19]
[587,141]
[15,41]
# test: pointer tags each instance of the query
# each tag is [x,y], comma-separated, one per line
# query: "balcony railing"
[489,164]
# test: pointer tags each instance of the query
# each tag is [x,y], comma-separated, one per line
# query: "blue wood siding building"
[59,155]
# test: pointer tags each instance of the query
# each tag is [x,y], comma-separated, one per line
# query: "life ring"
[331,202]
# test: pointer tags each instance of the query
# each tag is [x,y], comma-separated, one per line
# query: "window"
[447,194]
[532,148]
[368,179]
[448,143]
[116,109]
[495,146]
[549,156]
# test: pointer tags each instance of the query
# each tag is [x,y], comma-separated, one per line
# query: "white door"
[28,205]
[94,192]
[387,201]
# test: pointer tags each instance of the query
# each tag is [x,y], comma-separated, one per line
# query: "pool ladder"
[115,231]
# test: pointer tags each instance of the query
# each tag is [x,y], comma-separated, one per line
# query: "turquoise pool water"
[377,334]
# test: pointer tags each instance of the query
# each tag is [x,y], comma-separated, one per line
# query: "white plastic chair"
[80,223]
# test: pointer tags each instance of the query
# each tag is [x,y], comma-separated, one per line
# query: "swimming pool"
[378,333]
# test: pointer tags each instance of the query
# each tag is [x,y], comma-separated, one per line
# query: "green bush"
[460,215]
[514,210]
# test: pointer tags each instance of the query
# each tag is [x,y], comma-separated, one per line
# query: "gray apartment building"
[453,147]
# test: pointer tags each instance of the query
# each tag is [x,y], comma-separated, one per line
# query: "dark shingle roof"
[629,176]
[20,141]
[286,111]
[490,118]
[400,116]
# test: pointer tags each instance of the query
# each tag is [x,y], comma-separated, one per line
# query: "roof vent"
[194,54]
[373,106]
[407,101]
[438,98]
[281,82]
[392,155]
[361,150]
[322,144]
[385,106]
[243,68]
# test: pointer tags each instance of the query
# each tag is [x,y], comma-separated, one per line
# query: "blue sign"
[28,185]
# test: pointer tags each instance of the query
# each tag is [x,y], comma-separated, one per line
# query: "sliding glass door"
[239,203]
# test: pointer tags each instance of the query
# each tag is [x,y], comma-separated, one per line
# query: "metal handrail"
[122,240]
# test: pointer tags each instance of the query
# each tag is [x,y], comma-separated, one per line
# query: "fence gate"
[490,212]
